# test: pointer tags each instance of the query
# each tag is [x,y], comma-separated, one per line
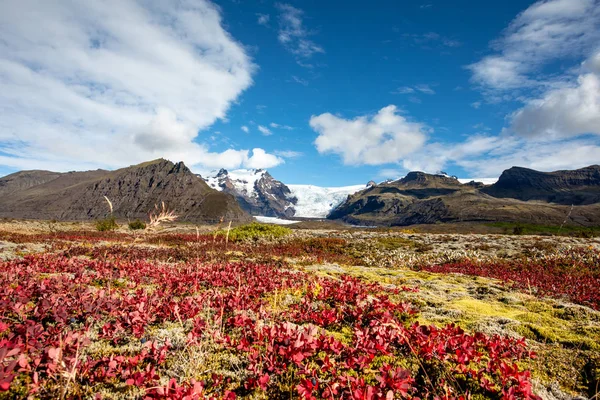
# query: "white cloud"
[260,159]
[292,33]
[112,83]
[264,130]
[426,89]
[288,153]
[278,126]
[488,155]
[476,104]
[301,81]
[548,30]
[404,90]
[245,128]
[263,19]
[540,155]
[384,138]
[563,112]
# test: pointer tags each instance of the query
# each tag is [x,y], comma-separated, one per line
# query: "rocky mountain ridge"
[421,198]
[134,192]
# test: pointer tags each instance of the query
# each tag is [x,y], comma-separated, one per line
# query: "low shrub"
[137,224]
[255,231]
[106,224]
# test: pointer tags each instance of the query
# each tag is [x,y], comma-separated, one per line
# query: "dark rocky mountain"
[421,198]
[578,187]
[257,192]
[134,192]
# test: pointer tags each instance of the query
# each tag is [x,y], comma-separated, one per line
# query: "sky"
[327,93]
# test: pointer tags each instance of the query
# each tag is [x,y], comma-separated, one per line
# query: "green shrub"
[255,231]
[137,224]
[106,224]
[518,230]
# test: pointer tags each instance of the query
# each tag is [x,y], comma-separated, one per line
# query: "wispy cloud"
[288,153]
[293,34]
[264,130]
[263,19]
[67,106]
[245,128]
[301,81]
[476,104]
[431,40]
[278,126]
[425,89]
[422,88]
[545,32]
[404,90]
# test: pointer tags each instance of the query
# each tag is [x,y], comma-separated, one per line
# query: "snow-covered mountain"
[317,201]
[260,194]
[256,190]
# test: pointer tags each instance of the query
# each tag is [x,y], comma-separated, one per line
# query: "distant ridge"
[134,191]
[578,187]
[520,195]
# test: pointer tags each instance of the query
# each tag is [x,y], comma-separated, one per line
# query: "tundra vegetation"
[271,312]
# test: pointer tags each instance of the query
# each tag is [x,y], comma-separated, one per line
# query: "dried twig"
[160,216]
[110,206]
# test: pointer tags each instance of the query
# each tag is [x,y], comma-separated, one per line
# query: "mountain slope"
[24,180]
[422,198]
[134,191]
[578,187]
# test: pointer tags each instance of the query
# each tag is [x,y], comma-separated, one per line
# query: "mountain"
[256,191]
[260,194]
[24,180]
[134,192]
[578,187]
[421,198]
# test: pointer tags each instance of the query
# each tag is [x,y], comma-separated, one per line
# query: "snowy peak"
[256,191]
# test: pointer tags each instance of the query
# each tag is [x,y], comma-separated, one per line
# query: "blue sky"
[327,93]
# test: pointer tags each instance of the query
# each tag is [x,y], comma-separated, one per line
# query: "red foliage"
[565,276]
[51,304]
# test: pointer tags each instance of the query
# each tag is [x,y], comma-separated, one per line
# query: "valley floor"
[372,314]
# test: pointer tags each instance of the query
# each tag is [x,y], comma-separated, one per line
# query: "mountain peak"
[419,178]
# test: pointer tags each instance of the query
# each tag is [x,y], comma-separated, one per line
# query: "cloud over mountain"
[384,138]
[117,82]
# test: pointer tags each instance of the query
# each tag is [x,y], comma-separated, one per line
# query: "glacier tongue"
[317,201]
